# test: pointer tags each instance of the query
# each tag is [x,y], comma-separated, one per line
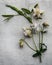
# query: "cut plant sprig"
[21,12]
[37,52]
[36,13]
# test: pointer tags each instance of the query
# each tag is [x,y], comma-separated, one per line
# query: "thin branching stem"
[42,37]
[29,46]
[40,46]
[39,40]
[34,42]
[40,58]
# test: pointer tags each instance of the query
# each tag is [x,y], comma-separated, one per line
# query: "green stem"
[29,46]
[39,40]
[40,47]
[34,42]
[42,38]
[40,58]
[17,15]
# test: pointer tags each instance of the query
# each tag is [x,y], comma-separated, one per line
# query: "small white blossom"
[34,25]
[36,28]
[27,32]
[45,24]
[37,12]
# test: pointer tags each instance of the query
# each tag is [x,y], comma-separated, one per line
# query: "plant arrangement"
[34,28]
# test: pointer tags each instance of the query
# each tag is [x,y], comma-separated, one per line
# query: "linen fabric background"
[11,32]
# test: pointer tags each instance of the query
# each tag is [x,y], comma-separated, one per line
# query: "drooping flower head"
[21,43]
[37,13]
[45,24]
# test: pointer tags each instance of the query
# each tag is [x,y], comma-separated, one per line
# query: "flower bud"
[45,24]
[21,43]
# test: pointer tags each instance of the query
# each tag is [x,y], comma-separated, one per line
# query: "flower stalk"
[34,42]
[29,46]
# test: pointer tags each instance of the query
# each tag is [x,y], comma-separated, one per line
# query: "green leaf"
[7,19]
[44,45]
[26,10]
[15,9]
[36,5]
[28,18]
[43,48]
[7,15]
[43,31]
[32,11]
[19,12]
[36,54]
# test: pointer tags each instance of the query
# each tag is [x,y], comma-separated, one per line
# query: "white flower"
[34,25]
[36,28]
[37,12]
[45,24]
[27,32]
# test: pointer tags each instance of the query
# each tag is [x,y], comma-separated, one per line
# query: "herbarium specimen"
[34,28]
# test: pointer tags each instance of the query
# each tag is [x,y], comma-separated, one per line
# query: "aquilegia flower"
[35,28]
[37,13]
[45,24]
[27,32]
